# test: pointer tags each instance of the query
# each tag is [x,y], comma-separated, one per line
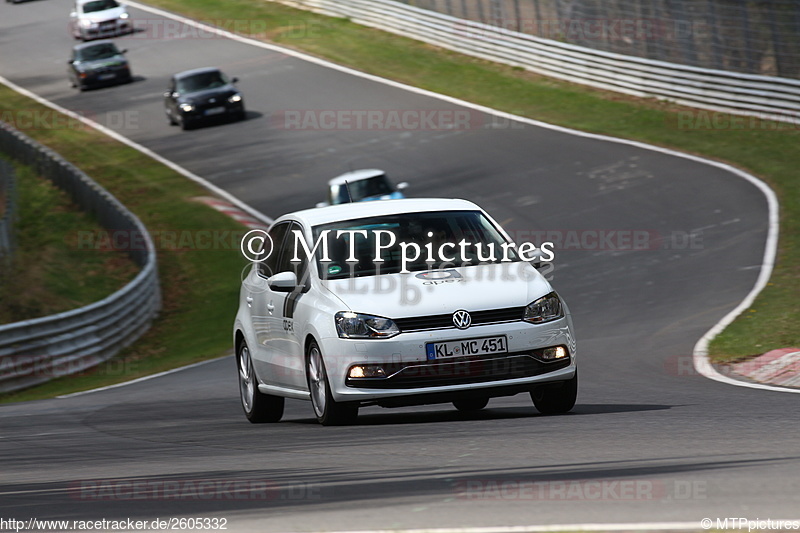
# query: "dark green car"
[97,64]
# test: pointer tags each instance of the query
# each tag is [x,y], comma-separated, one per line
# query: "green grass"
[199,282]
[767,150]
[58,275]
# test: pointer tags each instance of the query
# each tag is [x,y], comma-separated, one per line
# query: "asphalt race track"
[649,441]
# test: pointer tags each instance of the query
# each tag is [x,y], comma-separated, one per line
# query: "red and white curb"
[777,367]
[233,211]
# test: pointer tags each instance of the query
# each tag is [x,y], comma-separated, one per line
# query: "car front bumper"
[407,372]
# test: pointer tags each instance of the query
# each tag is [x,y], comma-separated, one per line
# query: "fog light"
[550,354]
[366,371]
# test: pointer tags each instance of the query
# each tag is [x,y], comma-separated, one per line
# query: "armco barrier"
[771,97]
[7,209]
[37,350]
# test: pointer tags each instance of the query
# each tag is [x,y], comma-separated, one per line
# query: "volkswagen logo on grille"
[461,319]
[212,100]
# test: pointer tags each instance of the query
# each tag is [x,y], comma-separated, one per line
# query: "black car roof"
[92,44]
[187,73]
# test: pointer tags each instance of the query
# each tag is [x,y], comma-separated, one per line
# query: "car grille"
[438,374]
[108,25]
[491,316]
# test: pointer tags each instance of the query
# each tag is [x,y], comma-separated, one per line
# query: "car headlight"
[186,108]
[88,23]
[235,98]
[350,325]
[123,16]
[545,309]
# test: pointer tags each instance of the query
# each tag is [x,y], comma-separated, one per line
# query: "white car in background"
[362,186]
[95,19]
[345,330]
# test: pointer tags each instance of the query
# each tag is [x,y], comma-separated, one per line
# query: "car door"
[285,346]
[292,369]
[261,299]
[170,99]
[71,69]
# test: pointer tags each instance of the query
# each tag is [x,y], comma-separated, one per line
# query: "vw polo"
[398,303]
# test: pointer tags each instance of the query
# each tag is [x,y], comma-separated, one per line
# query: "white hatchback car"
[95,19]
[402,302]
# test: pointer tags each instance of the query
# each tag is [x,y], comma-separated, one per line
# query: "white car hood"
[100,16]
[473,288]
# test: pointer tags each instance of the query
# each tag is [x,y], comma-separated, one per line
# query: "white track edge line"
[144,150]
[141,379]
[700,351]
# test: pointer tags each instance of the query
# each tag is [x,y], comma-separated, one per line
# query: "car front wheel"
[329,412]
[258,407]
[557,398]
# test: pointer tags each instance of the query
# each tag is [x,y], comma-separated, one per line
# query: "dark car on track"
[96,64]
[198,95]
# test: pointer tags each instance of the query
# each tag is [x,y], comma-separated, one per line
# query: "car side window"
[277,233]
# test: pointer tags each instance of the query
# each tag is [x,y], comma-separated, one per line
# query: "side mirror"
[124,51]
[234,79]
[283,282]
[73,14]
[70,61]
[402,185]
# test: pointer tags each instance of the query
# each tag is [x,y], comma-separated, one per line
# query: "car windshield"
[99,5]
[445,239]
[201,82]
[360,189]
[99,51]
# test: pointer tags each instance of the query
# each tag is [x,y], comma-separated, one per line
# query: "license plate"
[110,76]
[466,347]
[215,110]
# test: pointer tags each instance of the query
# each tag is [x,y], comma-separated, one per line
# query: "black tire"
[471,404]
[557,398]
[258,407]
[328,411]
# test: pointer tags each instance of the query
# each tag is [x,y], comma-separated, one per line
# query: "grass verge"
[198,255]
[765,149]
[56,273]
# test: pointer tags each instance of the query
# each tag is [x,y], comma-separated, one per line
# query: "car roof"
[92,44]
[334,213]
[356,175]
[192,72]
[81,2]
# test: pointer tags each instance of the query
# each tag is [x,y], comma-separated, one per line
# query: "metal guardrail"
[7,209]
[38,350]
[766,96]
[736,35]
